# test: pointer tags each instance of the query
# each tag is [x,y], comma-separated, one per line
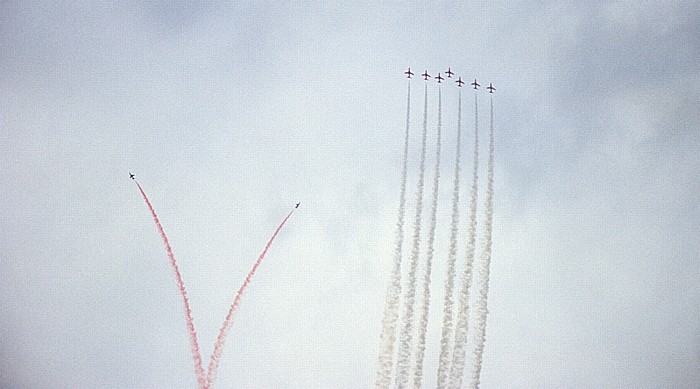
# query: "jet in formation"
[425,75]
[408,73]
[490,88]
[475,84]
[449,73]
[297,205]
[459,82]
[439,78]
[131,176]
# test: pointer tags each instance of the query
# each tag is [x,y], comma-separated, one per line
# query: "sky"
[229,113]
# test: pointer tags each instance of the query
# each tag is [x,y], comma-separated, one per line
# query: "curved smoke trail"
[459,351]
[425,304]
[388,336]
[196,356]
[484,267]
[402,365]
[445,341]
[219,346]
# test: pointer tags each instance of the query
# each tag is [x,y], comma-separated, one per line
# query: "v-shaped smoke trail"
[446,339]
[196,356]
[459,350]
[484,266]
[219,345]
[406,339]
[425,303]
[391,310]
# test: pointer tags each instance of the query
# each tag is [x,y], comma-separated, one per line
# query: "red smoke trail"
[196,356]
[219,346]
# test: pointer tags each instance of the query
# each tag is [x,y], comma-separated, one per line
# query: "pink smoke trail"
[219,346]
[196,356]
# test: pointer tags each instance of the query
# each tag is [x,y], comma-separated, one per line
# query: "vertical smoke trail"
[484,267]
[425,304]
[388,336]
[219,346]
[445,341]
[459,351]
[403,360]
[196,356]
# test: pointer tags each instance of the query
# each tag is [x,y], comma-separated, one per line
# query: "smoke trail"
[446,339]
[402,365]
[196,356]
[484,267]
[388,336]
[218,347]
[459,351]
[425,304]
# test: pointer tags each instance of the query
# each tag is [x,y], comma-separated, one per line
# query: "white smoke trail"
[403,360]
[459,351]
[484,267]
[446,340]
[391,310]
[425,304]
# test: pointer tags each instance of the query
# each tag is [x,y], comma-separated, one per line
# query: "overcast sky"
[229,113]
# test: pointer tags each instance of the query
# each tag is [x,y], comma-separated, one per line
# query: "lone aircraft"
[297,205]
[131,176]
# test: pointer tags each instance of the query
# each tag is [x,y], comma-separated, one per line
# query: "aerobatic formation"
[403,345]
[399,358]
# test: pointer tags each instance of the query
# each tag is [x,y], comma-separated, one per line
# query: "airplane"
[449,73]
[297,205]
[131,176]
[475,84]
[490,88]
[408,73]
[459,82]
[439,78]
[425,75]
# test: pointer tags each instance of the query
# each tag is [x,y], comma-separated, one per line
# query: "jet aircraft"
[449,73]
[490,88]
[425,75]
[439,78]
[408,73]
[475,84]
[131,176]
[459,82]
[297,205]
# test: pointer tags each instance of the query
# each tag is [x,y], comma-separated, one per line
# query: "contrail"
[425,304]
[404,357]
[388,336]
[459,351]
[196,356]
[218,347]
[484,267]
[445,341]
